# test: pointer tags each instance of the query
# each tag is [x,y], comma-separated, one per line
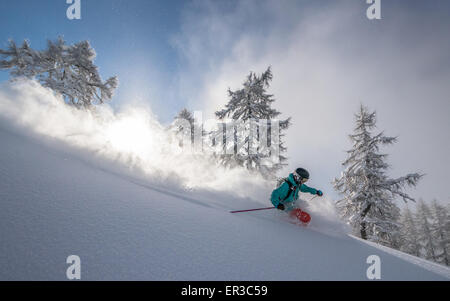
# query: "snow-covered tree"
[248,109]
[440,229]
[424,225]
[187,129]
[409,234]
[183,126]
[67,69]
[368,194]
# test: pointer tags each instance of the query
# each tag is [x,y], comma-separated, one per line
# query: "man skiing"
[285,196]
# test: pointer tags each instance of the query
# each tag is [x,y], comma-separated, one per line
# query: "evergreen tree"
[409,234]
[186,127]
[183,125]
[247,108]
[440,230]
[67,70]
[368,194]
[424,225]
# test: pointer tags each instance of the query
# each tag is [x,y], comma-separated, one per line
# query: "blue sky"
[127,35]
[133,40]
[327,58]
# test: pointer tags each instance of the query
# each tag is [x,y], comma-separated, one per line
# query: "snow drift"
[108,187]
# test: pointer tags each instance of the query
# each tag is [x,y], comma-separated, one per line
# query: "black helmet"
[302,173]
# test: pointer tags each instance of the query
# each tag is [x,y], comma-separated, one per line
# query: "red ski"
[301,215]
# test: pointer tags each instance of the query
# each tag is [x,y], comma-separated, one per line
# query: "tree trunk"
[363,224]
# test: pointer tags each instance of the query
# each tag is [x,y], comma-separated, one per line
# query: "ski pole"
[237,211]
[313,198]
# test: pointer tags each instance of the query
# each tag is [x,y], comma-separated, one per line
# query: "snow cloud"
[131,137]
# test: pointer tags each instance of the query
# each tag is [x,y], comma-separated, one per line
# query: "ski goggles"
[299,179]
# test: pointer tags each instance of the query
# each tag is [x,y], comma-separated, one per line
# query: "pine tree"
[187,131]
[440,230]
[67,70]
[409,234]
[368,202]
[247,108]
[424,225]
[183,126]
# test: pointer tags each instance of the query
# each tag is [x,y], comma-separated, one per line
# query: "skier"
[285,195]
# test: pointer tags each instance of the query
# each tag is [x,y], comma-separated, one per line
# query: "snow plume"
[132,137]
[325,217]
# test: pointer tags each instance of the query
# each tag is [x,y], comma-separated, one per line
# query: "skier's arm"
[311,190]
[305,188]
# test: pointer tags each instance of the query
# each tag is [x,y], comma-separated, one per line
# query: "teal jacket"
[281,192]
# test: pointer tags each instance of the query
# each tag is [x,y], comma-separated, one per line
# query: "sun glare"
[131,134]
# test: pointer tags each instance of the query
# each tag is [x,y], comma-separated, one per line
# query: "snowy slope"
[54,205]
[108,188]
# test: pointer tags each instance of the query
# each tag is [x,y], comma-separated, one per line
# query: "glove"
[319,193]
[280,206]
